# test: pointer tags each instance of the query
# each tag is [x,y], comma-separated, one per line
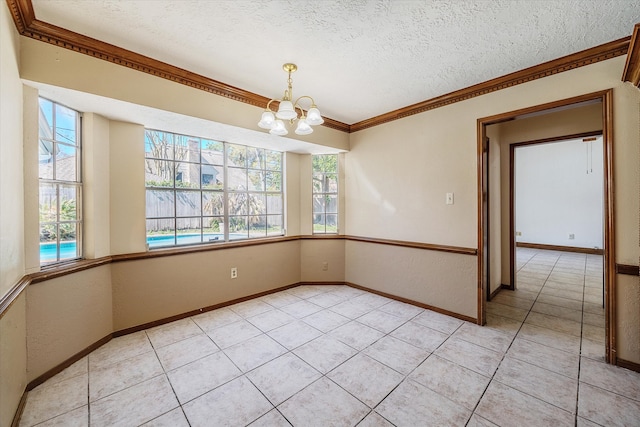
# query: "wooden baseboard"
[629,270]
[633,366]
[322,283]
[181,316]
[495,292]
[416,303]
[70,361]
[591,251]
[18,414]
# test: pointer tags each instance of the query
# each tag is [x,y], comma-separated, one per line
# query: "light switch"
[449,199]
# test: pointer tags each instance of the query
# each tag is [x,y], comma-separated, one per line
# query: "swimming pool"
[68,249]
[183,239]
[48,251]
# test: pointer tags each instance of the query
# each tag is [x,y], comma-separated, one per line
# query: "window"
[60,184]
[325,193]
[200,190]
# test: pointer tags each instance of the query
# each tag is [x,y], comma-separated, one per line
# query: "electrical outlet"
[572,236]
[325,266]
[234,272]
[518,233]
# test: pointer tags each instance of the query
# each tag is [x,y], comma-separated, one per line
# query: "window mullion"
[57,222]
[174,172]
[225,191]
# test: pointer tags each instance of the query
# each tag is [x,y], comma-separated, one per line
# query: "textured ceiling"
[357,58]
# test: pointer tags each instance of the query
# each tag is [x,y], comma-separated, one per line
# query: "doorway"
[485,253]
[569,183]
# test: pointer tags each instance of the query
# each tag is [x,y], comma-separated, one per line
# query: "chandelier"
[274,121]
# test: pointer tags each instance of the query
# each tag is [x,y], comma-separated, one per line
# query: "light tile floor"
[338,356]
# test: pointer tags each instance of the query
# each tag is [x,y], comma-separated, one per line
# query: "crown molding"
[631,71]
[28,26]
[566,63]
[23,14]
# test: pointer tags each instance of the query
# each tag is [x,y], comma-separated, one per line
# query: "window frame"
[326,195]
[222,215]
[58,183]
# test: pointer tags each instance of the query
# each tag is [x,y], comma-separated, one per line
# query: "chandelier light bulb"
[303,127]
[278,128]
[267,121]
[286,111]
[313,116]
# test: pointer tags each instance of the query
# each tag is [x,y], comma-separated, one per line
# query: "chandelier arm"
[268,104]
[313,104]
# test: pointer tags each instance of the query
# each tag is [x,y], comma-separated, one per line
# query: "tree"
[325,187]
[66,230]
[163,155]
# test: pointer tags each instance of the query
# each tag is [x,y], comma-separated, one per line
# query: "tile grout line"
[505,352]
[581,338]
[575,417]
[88,391]
[513,339]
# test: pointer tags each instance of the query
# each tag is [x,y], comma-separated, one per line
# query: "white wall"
[558,191]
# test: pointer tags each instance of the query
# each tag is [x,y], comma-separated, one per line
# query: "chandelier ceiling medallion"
[274,121]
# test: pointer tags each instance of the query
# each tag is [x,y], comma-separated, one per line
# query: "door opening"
[604,99]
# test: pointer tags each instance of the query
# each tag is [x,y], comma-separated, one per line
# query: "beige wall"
[11,184]
[65,316]
[152,289]
[495,214]
[12,262]
[127,193]
[399,173]
[305,201]
[45,63]
[292,193]
[628,301]
[30,176]
[626,149]
[96,186]
[627,216]
[13,359]
[439,279]
[313,256]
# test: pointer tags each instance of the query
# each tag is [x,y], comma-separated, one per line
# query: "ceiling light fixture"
[274,121]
